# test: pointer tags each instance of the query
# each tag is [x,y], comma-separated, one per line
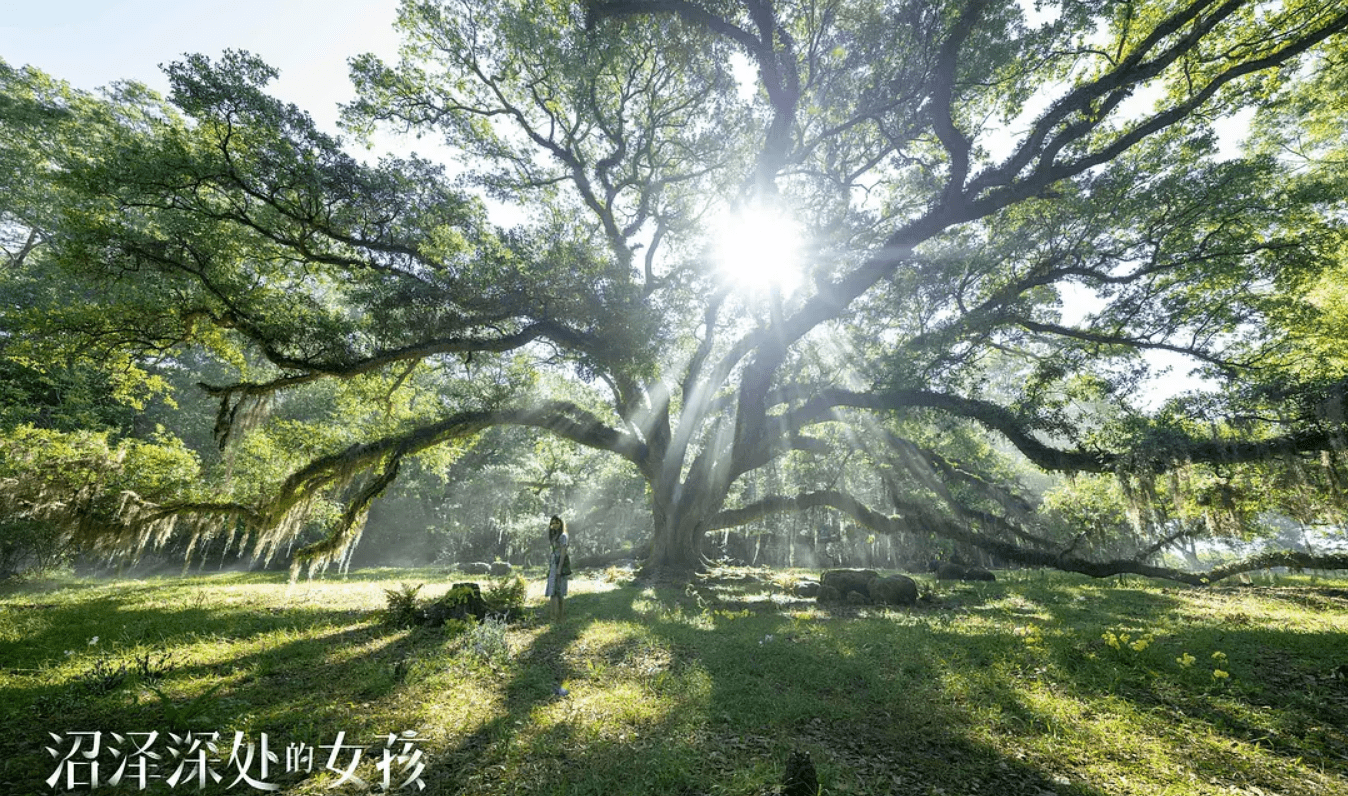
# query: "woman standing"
[559,566]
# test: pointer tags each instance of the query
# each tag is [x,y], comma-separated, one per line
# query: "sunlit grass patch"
[1009,688]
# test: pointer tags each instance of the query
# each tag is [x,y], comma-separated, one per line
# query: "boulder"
[475,568]
[828,594]
[948,571]
[856,598]
[500,568]
[806,588]
[978,573]
[894,590]
[845,580]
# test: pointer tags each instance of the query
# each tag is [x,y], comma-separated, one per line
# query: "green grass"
[1011,687]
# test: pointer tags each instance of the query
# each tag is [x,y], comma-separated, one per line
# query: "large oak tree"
[1001,210]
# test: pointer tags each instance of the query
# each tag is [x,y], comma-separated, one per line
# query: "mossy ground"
[1038,684]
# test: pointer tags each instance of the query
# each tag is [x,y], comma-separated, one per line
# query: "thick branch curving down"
[917,519]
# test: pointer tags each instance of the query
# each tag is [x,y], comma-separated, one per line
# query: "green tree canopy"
[962,174]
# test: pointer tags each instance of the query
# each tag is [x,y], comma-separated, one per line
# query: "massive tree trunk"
[676,549]
[681,511]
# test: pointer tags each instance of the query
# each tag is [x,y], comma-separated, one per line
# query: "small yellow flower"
[1111,640]
[1219,656]
[1186,660]
[1218,674]
[1139,645]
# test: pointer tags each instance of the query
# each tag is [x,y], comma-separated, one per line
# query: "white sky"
[91,43]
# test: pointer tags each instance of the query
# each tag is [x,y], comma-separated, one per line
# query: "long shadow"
[538,675]
[732,706]
[896,702]
[292,688]
[877,702]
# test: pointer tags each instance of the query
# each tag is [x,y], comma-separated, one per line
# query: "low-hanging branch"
[1313,438]
[559,417]
[314,370]
[233,396]
[343,536]
[913,518]
[282,515]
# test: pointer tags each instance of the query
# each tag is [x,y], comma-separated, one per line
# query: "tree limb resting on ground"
[913,518]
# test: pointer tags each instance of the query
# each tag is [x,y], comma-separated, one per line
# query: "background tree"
[957,172]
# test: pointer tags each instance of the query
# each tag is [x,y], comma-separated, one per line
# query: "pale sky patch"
[91,43]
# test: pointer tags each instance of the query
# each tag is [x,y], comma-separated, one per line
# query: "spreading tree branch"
[915,519]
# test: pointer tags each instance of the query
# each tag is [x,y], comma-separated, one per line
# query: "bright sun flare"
[759,249]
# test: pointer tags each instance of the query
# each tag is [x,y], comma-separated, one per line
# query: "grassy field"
[1038,684]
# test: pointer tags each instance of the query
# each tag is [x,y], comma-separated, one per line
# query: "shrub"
[402,609]
[103,676]
[457,627]
[487,641]
[507,595]
[31,547]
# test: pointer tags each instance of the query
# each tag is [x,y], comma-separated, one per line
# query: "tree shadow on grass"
[538,675]
[1258,704]
[676,691]
[298,672]
[678,698]
[899,702]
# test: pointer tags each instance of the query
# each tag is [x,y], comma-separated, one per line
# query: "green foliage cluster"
[488,642]
[402,608]
[65,491]
[966,175]
[507,595]
[32,547]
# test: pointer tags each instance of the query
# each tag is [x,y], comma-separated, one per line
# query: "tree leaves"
[1000,229]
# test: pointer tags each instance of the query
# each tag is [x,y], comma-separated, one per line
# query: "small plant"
[402,609]
[457,627]
[180,717]
[1032,635]
[1219,674]
[507,595]
[152,667]
[786,581]
[1121,641]
[487,641]
[103,677]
